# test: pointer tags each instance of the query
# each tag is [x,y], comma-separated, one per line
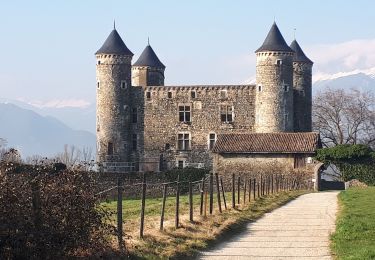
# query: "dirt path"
[298,230]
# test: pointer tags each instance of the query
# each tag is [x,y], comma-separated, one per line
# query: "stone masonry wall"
[159,125]
[274,94]
[302,81]
[113,105]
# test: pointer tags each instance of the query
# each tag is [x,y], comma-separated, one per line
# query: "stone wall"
[159,125]
[113,106]
[254,164]
[302,89]
[274,94]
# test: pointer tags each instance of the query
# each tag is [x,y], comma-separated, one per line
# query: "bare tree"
[70,156]
[344,117]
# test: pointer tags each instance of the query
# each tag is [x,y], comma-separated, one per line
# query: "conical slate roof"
[114,45]
[274,41]
[299,55]
[149,58]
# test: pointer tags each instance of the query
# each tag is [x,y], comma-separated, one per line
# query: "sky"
[48,46]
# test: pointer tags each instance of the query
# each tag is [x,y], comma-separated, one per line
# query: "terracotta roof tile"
[268,143]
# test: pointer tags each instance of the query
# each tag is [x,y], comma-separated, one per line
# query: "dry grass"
[190,237]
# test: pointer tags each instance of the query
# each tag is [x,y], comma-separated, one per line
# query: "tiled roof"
[274,41]
[114,45]
[299,55]
[267,143]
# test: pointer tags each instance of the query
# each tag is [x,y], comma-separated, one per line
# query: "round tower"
[113,75]
[148,70]
[302,89]
[274,84]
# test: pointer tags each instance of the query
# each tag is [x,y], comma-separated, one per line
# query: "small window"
[180,164]
[134,142]
[211,141]
[193,94]
[134,115]
[148,95]
[183,141]
[279,62]
[97,124]
[184,113]
[260,88]
[169,94]
[124,84]
[110,148]
[98,85]
[286,88]
[98,62]
[167,146]
[223,93]
[226,113]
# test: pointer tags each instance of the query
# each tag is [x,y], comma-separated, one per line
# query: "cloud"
[342,57]
[57,103]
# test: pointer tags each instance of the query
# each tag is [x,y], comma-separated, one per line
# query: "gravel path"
[298,230]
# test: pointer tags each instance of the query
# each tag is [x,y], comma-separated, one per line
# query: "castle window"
[223,93]
[180,164]
[123,84]
[211,140]
[193,94]
[97,124]
[98,62]
[184,113]
[279,62]
[110,148]
[286,88]
[134,115]
[167,146]
[98,85]
[169,94]
[260,88]
[226,113]
[148,95]
[183,141]
[134,142]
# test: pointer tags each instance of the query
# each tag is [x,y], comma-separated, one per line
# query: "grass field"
[355,230]
[190,237]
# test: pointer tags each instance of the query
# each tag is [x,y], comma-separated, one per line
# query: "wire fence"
[211,195]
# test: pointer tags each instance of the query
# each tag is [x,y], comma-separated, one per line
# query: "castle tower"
[302,89]
[274,84]
[148,69]
[113,74]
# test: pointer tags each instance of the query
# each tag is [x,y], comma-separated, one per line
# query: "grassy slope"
[189,238]
[355,231]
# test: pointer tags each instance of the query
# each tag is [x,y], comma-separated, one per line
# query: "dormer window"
[279,62]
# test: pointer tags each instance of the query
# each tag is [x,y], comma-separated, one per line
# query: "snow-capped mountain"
[363,80]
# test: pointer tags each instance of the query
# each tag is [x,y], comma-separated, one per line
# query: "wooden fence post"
[163,207]
[211,193]
[202,197]
[177,217]
[222,189]
[244,191]
[218,192]
[119,214]
[254,180]
[258,188]
[190,202]
[238,189]
[249,190]
[233,191]
[143,206]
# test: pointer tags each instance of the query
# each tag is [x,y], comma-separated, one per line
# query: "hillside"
[32,133]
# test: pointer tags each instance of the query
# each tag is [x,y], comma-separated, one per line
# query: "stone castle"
[143,125]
